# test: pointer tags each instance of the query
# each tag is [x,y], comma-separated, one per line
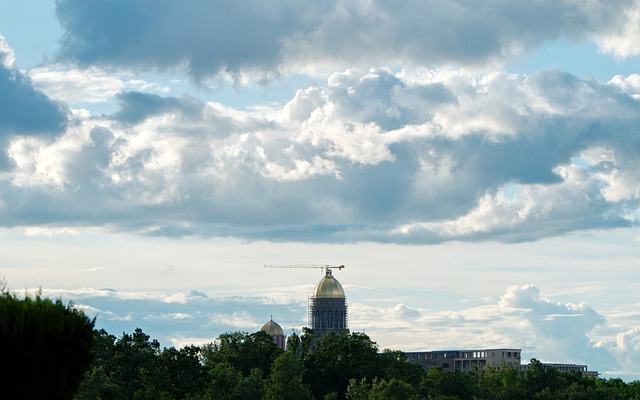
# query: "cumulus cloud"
[211,38]
[557,328]
[544,328]
[622,39]
[25,110]
[393,157]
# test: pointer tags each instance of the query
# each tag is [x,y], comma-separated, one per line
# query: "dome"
[329,288]
[272,329]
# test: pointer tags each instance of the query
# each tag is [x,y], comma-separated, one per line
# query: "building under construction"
[328,303]
[328,306]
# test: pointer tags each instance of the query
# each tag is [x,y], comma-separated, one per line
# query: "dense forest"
[52,351]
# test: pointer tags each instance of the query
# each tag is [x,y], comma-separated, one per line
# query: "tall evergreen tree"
[45,345]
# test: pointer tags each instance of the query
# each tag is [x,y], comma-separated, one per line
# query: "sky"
[474,165]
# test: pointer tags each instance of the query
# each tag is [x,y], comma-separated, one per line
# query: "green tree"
[438,383]
[394,389]
[358,389]
[293,343]
[243,351]
[338,358]
[539,377]
[134,365]
[99,382]
[394,364]
[251,387]
[151,393]
[224,381]
[46,346]
[286,380]
[179,372]
[514,384]
[135,361]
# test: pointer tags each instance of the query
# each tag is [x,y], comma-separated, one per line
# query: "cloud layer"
[407,157]
[210,38]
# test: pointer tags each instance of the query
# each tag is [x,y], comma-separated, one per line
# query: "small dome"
[329,287]
[272,329]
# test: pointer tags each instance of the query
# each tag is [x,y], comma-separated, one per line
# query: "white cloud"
[492,156]
[7,55]
[622,39]
[90,85]
[50,232]
[239,320]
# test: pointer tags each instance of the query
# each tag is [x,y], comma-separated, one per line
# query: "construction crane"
[326,267]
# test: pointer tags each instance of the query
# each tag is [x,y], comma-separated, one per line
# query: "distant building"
[275,331]
[583,369]
[468,360]
[328,308]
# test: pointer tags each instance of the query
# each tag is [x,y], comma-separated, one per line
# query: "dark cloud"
[136,106]
[25,110]
[209,38]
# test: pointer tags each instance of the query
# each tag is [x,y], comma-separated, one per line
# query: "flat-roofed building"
[581,368]
[466,360]
[469,360]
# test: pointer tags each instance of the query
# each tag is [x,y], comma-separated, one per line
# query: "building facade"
[469,360]
[581,368]
[466,360]
[328,306]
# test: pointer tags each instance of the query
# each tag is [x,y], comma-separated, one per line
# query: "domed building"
[328,308]
[275,331]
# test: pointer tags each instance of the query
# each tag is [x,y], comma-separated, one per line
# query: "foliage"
[394,389]
[286,379]
[239,366]
[46,346]
[338,358]
[243,351]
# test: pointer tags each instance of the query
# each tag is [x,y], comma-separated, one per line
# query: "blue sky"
[473,165]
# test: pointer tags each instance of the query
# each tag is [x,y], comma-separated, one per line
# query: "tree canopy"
[46,347]
[241,366]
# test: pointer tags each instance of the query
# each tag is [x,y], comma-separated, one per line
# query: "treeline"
[246,366]
[52,351]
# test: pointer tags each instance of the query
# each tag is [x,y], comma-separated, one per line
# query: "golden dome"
[329,287]
[272,329]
